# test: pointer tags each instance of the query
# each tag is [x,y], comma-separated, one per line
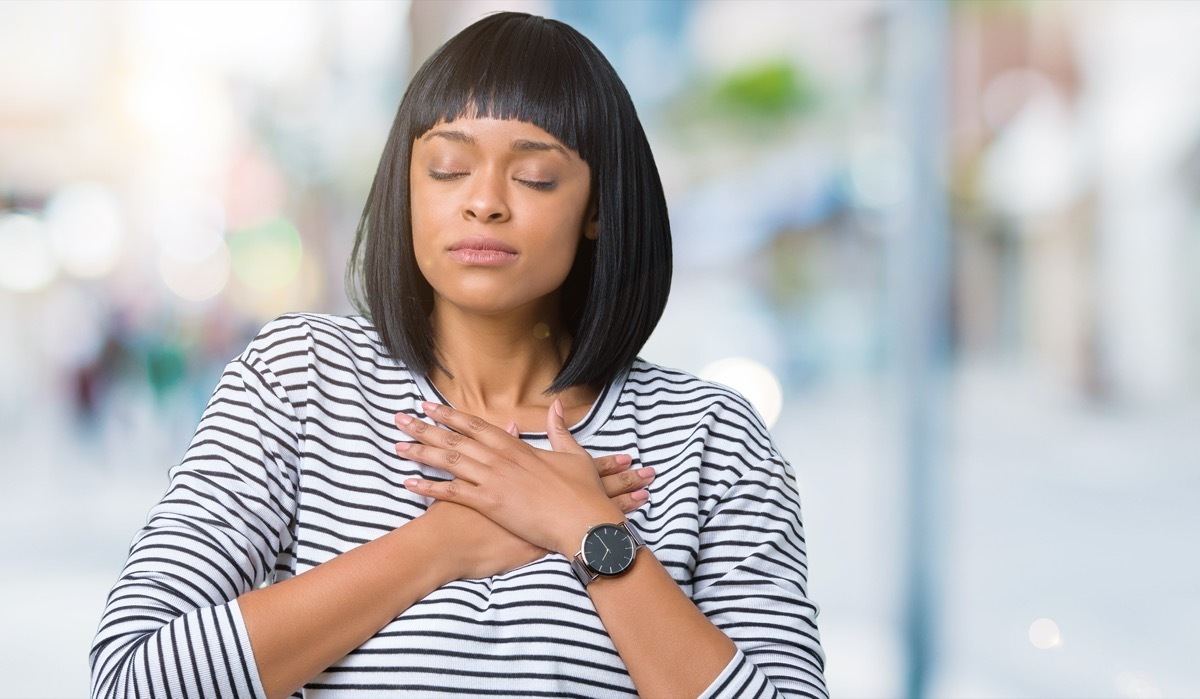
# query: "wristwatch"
[608,550]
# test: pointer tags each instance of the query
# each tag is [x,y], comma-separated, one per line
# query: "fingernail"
[403,418]
[403,446]
[558,408]
[411,483]
[640,495]
[647,472]
[429,408]
[623,459]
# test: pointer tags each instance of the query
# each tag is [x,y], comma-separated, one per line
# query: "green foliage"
[772,90]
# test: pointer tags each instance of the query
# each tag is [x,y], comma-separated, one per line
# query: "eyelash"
[532,184]
[445,176]
[539,186]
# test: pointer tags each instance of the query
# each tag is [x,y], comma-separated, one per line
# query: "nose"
[485,201]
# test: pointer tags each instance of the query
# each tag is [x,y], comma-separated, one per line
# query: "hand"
[547,498]
[475,546]
[625,487]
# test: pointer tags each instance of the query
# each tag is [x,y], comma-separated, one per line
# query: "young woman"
[449,495]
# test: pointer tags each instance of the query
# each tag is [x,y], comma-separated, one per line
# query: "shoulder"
[297,340]
[646,379]
[663,393]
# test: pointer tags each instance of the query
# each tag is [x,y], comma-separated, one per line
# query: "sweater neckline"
[602,408]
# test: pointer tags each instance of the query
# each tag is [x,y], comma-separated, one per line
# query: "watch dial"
[608,550]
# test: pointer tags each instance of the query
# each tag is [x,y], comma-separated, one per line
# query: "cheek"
[424,219]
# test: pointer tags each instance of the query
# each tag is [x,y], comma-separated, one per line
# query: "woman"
[514,256]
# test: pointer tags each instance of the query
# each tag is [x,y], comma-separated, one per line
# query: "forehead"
[491,133]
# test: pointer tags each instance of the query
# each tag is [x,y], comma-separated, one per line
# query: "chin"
[495,300]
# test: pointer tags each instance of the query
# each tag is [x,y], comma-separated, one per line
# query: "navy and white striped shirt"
[292,464]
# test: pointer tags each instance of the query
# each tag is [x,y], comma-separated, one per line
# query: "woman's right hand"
[477,547]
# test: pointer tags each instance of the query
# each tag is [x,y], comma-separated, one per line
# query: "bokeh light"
[196,280]
[86,229]
[26,258]
[1044,634]
[189,225]
[753,380]
[266,258]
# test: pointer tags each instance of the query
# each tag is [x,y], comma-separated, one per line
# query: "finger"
[512,429]
[558,432]
[629,502]
[627,481]
[608,465]
[449,460]
[471,426]
[455,490]
[434,436]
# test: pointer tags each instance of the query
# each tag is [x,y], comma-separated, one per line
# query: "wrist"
[574,531]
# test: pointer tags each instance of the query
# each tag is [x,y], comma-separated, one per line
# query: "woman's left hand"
[548,498]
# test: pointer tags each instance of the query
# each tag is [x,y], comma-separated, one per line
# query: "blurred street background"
[950,250]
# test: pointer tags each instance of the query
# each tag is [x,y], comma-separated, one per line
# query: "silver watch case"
[586,573]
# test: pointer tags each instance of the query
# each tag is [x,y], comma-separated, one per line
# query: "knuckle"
[476,424]
[450,489]
[453,457]
[453,439]
[627,479]
[419,426]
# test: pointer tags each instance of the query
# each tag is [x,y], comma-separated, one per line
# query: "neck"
[499,367]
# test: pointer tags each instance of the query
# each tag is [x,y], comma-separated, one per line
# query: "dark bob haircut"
[518,66]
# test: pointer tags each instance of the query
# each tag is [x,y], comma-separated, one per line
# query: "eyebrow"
[525,145]
[521,145]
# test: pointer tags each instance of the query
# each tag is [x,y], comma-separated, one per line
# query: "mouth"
[483,244]
[482,252]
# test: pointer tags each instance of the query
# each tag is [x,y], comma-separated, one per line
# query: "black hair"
[513,65]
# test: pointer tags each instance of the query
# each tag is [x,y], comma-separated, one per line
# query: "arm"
[187,617]
[171,625]
[749,582]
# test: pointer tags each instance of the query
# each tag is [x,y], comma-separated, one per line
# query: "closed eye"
[541,186]
[445,176]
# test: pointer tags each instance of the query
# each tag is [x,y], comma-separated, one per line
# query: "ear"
[591,227]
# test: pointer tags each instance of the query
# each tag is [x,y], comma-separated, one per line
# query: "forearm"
[302,625]
[669,647]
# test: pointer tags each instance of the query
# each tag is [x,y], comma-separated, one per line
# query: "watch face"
[608,550]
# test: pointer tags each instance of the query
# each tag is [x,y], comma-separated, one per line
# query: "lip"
[480,242]
[482,251]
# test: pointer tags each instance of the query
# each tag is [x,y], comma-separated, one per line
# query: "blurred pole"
[918,75]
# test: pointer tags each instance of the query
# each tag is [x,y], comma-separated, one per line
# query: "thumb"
[559,433]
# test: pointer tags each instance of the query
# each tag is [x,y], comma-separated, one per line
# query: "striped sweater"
[292,464]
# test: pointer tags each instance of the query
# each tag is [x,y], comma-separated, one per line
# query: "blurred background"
[951,252]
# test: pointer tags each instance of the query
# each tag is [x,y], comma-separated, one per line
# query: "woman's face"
[498,208]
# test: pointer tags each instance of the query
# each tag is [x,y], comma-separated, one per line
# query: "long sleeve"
[751,582]
[171,627]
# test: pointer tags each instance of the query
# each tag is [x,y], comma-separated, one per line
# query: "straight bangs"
[528,70]
[540,71]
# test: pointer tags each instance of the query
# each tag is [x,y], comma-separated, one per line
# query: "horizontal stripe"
[292,464]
